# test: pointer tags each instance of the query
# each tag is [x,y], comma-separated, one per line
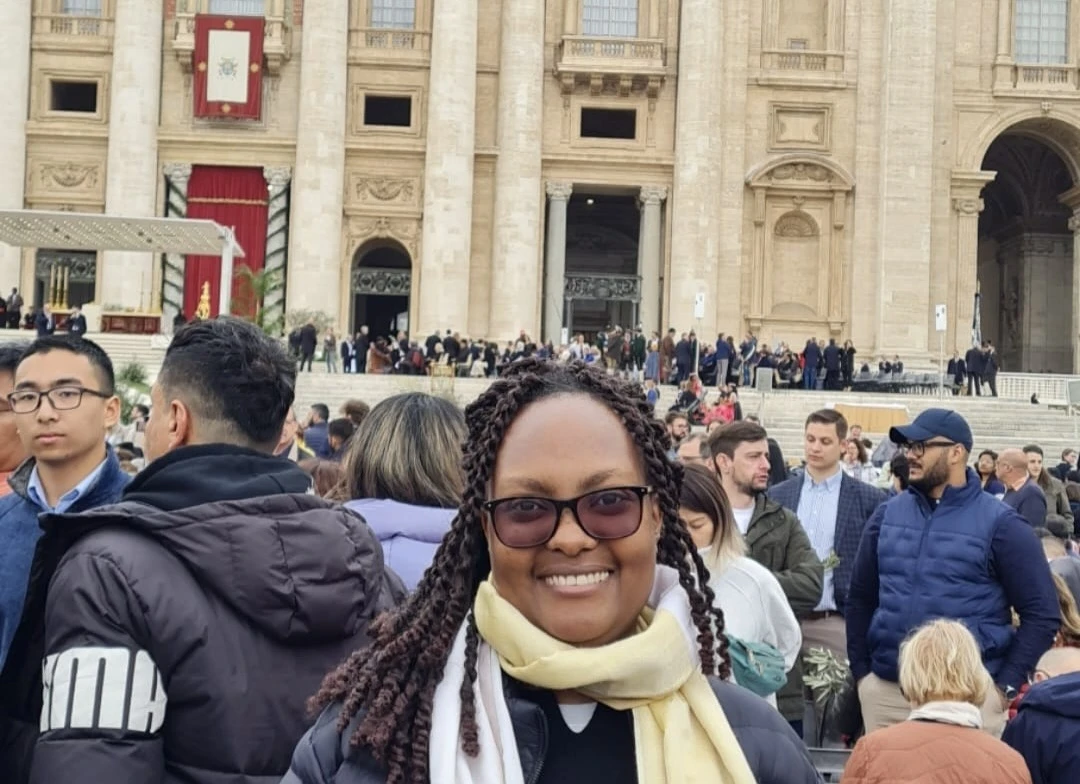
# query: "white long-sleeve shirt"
[756,610]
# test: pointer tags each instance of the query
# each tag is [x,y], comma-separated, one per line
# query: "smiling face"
[580,590]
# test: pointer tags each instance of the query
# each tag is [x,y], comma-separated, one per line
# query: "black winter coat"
[774,751]
[208,606]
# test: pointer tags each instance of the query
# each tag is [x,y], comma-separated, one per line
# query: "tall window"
[81,7]
[614,18]
[238,7]
[395,14]
[1042,31]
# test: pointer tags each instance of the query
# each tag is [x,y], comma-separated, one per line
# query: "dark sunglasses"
[611,513]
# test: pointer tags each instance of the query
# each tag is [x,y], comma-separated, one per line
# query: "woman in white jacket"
[755,608]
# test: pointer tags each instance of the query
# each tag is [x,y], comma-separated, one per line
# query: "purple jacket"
[409,534]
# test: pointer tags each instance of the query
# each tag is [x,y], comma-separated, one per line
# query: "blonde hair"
[941,661]
[408,449]
[1069,634]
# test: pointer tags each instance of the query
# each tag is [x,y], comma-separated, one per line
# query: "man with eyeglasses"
[63,402]
[945,549]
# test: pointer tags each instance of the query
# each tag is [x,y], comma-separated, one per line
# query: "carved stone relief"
[404,231]
[69,175]
[386,189]
[801,172]
[796,225]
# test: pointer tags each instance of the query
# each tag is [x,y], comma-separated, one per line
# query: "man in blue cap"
[945,549]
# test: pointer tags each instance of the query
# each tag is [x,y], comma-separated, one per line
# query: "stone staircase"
[996,423]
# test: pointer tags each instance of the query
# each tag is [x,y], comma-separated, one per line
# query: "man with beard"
[945,549]
[739,453]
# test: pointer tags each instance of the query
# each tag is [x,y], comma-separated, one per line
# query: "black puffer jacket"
[775,753]
[189,624]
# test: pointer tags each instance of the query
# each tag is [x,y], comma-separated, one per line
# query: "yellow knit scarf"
[681,733]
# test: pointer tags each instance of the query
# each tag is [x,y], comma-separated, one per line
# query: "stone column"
[131,180]
[15,44]
[172,300]
[650,256]
[519,206]
[967,204]
[1003,62]
[1074,227]
[446,243]
[905,316]
[555,262]
[318,192]
[277,239]
[695,232]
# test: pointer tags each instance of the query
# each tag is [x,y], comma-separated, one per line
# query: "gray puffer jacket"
[187,626]
[775,753]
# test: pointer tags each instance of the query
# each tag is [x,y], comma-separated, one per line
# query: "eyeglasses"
[611,513]
[66,398]
[918,449]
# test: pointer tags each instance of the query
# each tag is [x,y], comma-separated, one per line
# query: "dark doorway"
[381,284]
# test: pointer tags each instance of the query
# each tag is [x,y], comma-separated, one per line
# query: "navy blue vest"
[939,565]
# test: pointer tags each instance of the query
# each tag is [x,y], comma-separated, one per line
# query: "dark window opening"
[74,97]
[609,123]
[395,111]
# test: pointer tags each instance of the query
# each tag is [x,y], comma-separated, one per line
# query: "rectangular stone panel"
[794,126]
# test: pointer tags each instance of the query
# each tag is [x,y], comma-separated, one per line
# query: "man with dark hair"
[208,605]
[833,508]
[355,410]
[740,456]
[338,432]
[14,310]
[946,549]
[12,452]
[309,340]
[62,403]
[316,434]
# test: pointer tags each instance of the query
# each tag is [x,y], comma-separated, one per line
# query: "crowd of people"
[426,594]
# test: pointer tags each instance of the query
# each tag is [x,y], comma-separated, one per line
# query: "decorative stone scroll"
[381,281]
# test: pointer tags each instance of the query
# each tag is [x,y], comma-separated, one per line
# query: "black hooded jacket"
[188,625]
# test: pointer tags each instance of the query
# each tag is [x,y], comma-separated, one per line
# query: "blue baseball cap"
[934,423]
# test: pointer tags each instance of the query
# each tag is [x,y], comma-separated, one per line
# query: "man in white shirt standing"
[739,453]
[833,508]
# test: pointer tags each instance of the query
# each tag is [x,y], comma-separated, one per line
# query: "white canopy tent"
[83,231]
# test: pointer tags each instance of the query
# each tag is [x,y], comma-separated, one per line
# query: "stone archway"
[1016,207]
[380,279]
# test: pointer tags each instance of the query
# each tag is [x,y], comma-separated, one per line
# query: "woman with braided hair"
[560,634]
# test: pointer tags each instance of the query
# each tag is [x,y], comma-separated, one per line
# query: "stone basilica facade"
[788,167]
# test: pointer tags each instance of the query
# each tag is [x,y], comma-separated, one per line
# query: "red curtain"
[232,196]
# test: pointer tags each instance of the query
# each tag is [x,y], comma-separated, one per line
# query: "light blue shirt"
[818,505]
[36,491]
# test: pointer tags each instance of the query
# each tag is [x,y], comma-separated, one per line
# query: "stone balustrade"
[639,56]
[53,28]
[801,60]
[277,34]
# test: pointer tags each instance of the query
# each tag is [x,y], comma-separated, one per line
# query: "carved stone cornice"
[381,281]
[618,288]
[653,194]
[559,191]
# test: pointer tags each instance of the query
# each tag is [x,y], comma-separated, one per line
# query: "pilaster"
[967,204]
[446,255]
[15,44]
[131,180]
[318,193]
[519,207]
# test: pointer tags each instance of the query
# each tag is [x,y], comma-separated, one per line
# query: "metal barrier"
[830,763]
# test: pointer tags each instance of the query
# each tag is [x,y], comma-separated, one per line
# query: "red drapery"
[228,67]
[237,197]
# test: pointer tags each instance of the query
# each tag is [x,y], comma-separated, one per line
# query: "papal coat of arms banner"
[228,66]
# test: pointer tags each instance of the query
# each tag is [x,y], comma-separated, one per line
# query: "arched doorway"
[381,282]
[1026,254]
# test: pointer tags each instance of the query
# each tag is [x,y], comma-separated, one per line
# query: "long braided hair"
[392,683]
